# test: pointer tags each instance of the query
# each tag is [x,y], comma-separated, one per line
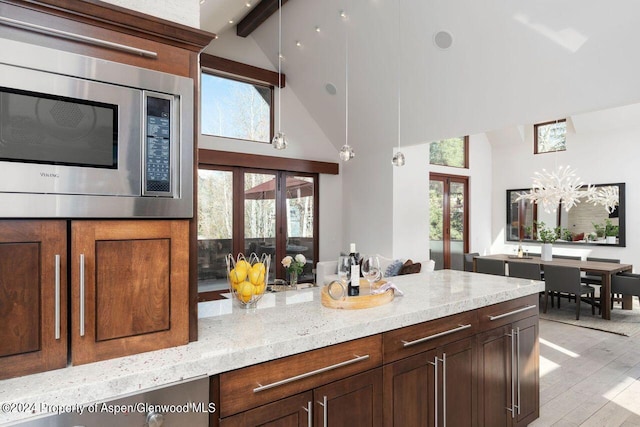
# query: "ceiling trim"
[257,16]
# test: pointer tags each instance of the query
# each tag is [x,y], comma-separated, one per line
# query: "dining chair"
[568,257]
[567,280]
[524,270]
[490,266]
[468,260]
[625,284]
[596,279]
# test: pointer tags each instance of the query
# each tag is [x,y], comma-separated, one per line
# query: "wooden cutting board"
[364,300]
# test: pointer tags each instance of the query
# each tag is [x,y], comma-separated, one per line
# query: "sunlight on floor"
[559,348]
[547,366]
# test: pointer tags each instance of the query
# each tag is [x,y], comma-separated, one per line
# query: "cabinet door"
[355,401]
[408,393]
[33,296]
[294,411]
[129,287]
[457,384]
[527,382]
[494,377]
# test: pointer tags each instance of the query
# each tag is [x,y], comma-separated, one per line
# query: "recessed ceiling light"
[298,43]
[330,88]
[248,4]
[443,39]
[343,14]
[317,29]
[202,1]
[230,21]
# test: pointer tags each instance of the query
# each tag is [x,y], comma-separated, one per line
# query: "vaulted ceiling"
[509,63]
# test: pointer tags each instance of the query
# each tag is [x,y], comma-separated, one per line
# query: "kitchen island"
[284,324]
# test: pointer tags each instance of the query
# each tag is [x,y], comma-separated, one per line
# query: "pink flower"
[286,261]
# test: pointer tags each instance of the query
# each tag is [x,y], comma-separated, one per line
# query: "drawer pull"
[434,336]
[520,310]
[356,359]
[77,37]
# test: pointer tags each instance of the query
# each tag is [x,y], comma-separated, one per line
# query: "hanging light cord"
[346,92]
[279,63]
[398,71]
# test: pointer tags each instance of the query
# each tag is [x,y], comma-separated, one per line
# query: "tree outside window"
[550,136]
[450,152]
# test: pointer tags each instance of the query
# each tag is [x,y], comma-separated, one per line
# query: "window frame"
[466,154]
[226,68]
[535,136]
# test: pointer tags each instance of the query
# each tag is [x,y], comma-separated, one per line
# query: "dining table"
[605,269]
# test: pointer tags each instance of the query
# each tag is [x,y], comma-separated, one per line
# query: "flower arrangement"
[294,264]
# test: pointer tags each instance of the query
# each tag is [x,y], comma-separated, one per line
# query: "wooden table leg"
[627,302]
[605,296]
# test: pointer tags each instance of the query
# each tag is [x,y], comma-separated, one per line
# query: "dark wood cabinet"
[432,388]
[129,287]
[33,297]
[294,411]
[508,364]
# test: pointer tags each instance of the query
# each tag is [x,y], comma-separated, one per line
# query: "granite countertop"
[285,323]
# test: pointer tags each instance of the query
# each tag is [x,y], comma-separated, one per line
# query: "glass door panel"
[300,213]
[457,224]
[436,210]
[260,217]
[215,227]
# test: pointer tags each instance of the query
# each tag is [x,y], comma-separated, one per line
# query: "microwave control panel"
[158,149]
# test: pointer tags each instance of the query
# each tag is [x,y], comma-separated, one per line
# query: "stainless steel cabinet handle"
[308,409]
[77,37]
[81,295]
[324,411]
[356,359]
[434,336]
[57,297]
[512,409]
[518,365]
[520,310]
[444,389]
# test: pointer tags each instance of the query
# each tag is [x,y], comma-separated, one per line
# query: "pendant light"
[346,152]
[398,158]
[279,140]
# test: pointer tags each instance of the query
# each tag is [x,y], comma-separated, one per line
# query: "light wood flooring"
[588,377]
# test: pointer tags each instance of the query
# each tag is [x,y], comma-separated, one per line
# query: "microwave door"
[63,135]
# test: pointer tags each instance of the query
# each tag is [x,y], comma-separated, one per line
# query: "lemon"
[245,291]
[238,274]
[256,276]
[259,266]
[259,289]
[243,264]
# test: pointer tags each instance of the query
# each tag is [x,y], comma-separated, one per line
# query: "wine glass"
[371,269]
[344,268]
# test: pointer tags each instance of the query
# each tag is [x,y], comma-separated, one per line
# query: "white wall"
[599,156]
[306,140]
[185,12]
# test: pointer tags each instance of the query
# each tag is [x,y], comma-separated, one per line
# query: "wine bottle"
[354,279]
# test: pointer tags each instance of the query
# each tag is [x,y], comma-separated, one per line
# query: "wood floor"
[588,377]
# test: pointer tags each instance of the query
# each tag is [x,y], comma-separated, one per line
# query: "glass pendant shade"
[398,159]
[346,153]
[279,141]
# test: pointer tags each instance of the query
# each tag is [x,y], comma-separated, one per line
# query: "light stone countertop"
[284,323]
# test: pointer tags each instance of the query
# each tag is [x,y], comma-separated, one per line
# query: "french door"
[449,220]
[248,210]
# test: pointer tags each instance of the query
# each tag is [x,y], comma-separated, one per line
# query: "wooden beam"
[239,69]
[228,158]
[257,16]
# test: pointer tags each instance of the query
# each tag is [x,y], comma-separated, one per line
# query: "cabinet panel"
[256,385]
[129,287]
[415,339]
[494,380]
[33,295]
[408,397]
[290,412]
[352,402]
[528,370]
[19,298]
[132,287]
[459,384]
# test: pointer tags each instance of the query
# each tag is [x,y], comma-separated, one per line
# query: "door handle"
[81,295]
[57,296]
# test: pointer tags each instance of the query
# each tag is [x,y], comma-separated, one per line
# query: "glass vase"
[293,279]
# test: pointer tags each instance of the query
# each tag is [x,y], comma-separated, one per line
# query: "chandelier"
[552,189]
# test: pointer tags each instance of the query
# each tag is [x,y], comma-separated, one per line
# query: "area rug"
[623,322]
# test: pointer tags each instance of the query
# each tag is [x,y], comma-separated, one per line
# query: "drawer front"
[410,340]
[506,312]
[256,385]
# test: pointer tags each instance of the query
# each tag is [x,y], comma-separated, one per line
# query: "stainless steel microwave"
[82,137]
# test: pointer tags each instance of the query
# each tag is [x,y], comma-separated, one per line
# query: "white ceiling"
[511,62]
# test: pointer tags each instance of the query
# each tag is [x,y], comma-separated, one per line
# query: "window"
[233,108]
[450,152]
[550,136]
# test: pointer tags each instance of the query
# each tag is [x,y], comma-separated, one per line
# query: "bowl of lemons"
[248,277]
